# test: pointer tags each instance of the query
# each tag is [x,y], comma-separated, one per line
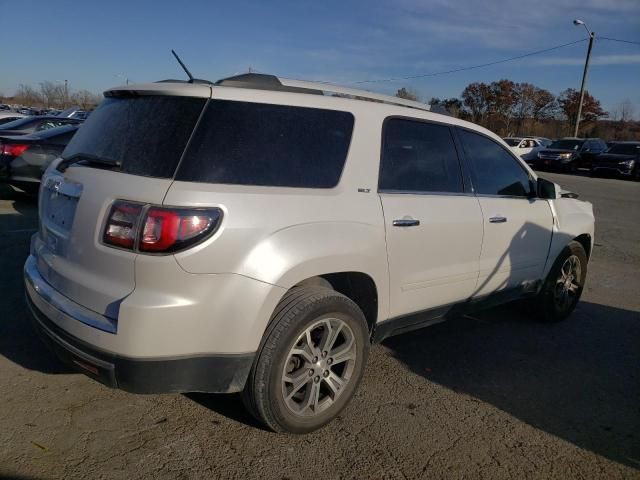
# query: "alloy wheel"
[567,287]
[318,367]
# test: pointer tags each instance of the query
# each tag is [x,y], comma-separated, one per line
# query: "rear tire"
[563,286]
[310,362]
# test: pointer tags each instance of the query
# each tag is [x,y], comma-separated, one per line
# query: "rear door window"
[271,145]
[419,157]
[147,134]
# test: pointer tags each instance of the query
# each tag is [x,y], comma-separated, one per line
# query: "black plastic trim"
[425,318]
[222,373]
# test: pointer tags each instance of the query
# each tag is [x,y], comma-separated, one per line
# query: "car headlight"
[627,163]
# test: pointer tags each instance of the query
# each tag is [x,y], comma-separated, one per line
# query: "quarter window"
[419,157]
[271,145]
[496,171]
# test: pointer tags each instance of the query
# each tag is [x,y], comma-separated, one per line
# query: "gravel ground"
[490,396]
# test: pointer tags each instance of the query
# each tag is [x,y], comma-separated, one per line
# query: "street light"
[592,35]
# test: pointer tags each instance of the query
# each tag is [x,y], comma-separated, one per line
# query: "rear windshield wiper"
[89,158]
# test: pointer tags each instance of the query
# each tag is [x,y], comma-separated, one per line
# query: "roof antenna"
[191,79]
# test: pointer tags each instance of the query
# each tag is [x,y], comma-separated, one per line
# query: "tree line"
[512,109]
[52,95]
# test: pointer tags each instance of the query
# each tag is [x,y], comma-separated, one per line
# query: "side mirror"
[546,189]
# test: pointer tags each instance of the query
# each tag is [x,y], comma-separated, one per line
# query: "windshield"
[17,124]
[567,144]
[512,142]
[146,135]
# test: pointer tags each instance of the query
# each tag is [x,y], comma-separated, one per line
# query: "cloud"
[633,59]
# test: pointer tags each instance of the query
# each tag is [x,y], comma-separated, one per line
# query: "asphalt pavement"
[494,395]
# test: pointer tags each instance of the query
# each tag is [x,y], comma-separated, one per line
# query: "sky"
[95,45]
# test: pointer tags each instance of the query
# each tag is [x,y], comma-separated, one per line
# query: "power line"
[537,52]
[618,40]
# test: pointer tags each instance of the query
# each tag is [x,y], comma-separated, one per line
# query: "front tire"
[564,284]
[310,363]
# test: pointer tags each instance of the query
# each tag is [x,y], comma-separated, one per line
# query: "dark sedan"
[27,125]
[623,158]
[24,158]
[569,154]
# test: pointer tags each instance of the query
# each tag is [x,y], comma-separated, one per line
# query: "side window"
[419,157]
[496,171]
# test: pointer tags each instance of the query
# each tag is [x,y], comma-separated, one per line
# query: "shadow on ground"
[18,340]
[578,380]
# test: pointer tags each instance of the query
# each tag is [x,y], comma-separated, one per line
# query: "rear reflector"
[14,150]
[161,230]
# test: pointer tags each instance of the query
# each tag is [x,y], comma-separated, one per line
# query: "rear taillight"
[154,229]
[14,150]
[122,224]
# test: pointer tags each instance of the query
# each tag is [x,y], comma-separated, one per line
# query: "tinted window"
[625,149]
[496,171]
[419,157]
[46,125]
[147,134]
[512,142]
[274,145]
[567,144]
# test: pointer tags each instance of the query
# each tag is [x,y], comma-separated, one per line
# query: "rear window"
[147,134]
[271,145]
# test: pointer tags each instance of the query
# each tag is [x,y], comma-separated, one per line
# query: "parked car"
[31,124]
[248,240]
[527,148]
[6,117]
[569,154]
[4,107]
[24,158]
[622,158]
[29,111]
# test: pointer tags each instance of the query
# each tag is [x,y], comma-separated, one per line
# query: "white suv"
[258,234]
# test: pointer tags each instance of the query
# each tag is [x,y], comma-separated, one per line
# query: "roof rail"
[195,80]
[271,82]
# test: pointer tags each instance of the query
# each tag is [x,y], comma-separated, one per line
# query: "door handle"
[406,222]
[498,219]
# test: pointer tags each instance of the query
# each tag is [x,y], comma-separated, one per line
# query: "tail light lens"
[14,150]
[154,229]
[122,224]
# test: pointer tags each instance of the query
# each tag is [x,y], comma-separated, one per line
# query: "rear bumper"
[216,373]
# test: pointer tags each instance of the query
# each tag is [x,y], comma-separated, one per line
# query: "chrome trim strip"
[53,304]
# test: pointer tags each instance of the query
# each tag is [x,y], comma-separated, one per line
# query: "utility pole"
[592,36]
[66,94]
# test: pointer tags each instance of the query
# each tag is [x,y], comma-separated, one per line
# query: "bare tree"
[53,94]
[27,95]
[85,99]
